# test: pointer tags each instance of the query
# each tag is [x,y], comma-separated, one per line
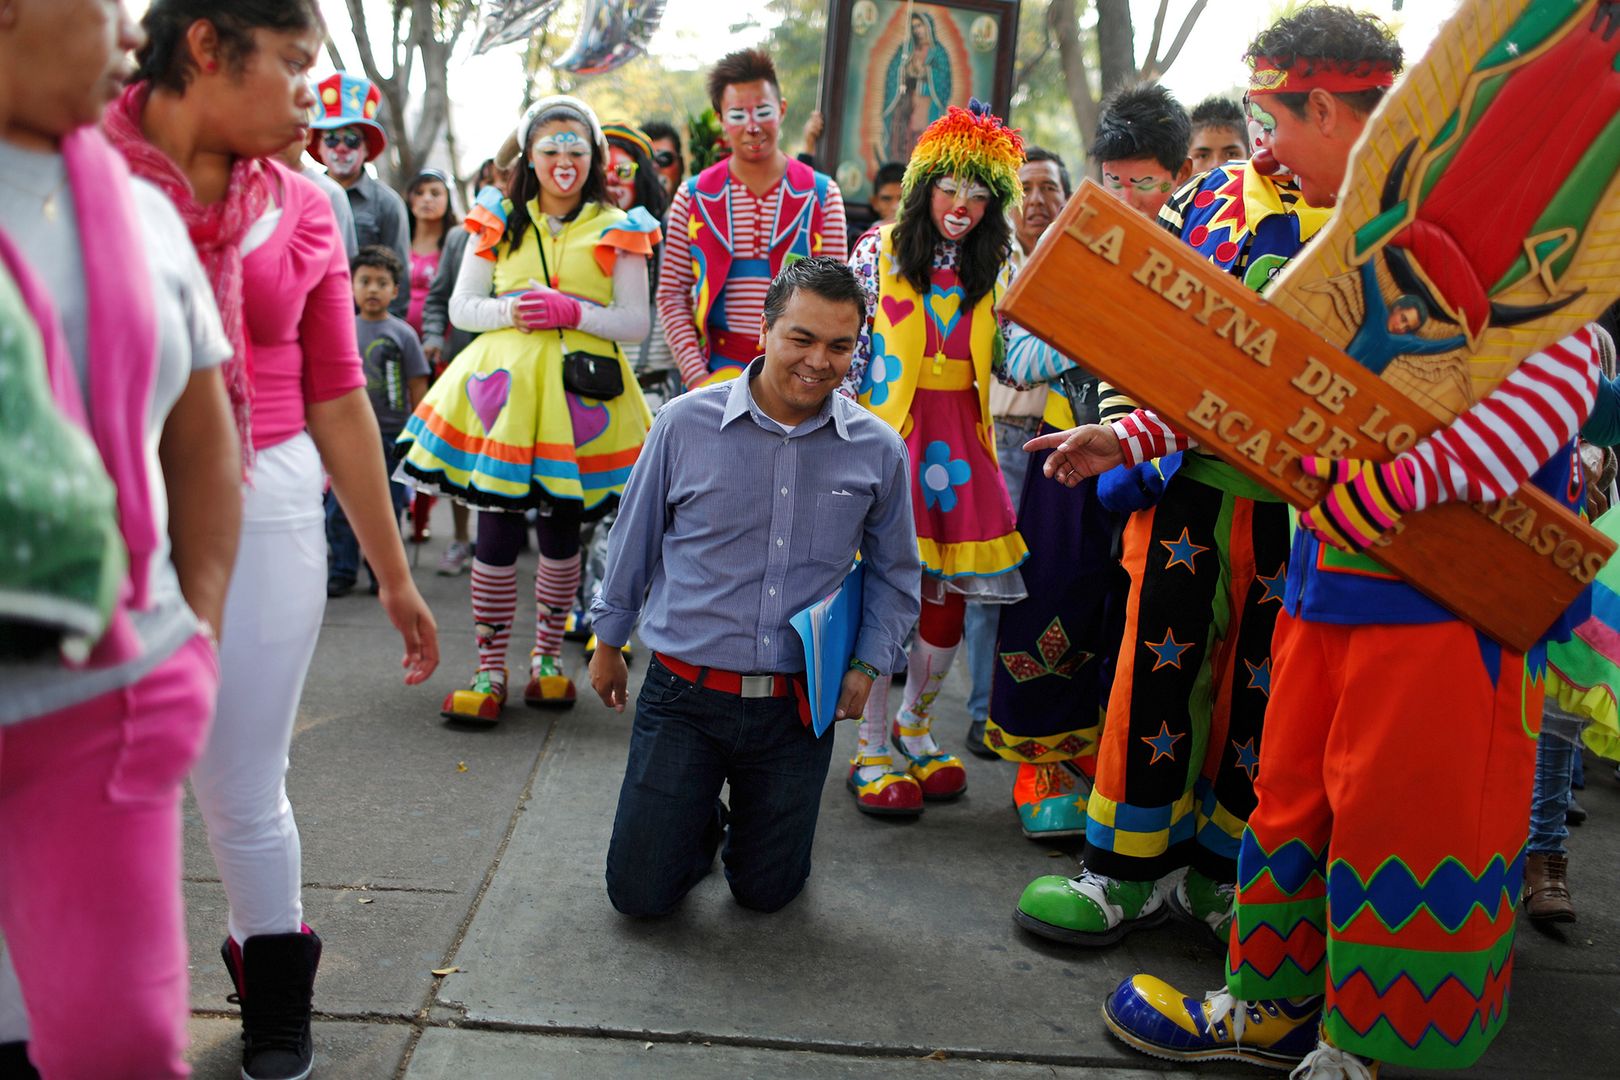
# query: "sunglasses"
[352,139]
[624,170]
[665,158]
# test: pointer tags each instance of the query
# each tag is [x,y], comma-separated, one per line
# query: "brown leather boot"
[1546,888]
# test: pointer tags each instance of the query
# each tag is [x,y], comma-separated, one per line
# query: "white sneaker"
[456,558]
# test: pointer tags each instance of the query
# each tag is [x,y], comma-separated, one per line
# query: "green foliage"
[1040,104]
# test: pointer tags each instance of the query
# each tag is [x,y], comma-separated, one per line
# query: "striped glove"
[1365,500]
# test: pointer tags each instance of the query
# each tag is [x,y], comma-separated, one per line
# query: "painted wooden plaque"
[1480,218]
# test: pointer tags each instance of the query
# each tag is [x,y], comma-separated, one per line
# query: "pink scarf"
[216,231]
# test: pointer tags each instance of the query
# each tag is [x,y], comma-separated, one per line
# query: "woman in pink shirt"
[222,86]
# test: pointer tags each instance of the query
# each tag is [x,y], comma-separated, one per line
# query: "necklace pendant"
[554,281]
[49,209]
[939,363]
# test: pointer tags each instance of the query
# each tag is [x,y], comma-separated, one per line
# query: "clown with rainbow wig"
[931,343]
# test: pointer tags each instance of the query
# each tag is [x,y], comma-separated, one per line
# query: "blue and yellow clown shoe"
[591,643]
[1051,800]
[1151,1016]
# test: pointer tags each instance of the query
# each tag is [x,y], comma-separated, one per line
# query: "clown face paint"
[1140,183]
[621,177]
[562,158]
[751,116]
[1261,127]
[957,205]
[343,150]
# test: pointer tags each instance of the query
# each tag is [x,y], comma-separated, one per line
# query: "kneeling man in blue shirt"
[747,505]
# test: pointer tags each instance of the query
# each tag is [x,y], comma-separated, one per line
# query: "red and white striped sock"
[494,605]
[555,583]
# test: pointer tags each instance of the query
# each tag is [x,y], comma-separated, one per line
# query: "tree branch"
[1158,35]
[1161,66]
[362,40]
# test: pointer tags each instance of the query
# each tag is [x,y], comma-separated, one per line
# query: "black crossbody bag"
[585,374]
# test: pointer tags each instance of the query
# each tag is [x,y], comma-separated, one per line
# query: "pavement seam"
[422,1020]
[361,886]
[697,1038]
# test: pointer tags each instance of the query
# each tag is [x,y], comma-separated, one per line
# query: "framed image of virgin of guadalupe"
[890,68]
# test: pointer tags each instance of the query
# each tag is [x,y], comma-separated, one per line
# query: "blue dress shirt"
[730,524]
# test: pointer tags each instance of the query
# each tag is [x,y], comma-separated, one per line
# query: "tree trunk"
[1116,44]
[1063,19]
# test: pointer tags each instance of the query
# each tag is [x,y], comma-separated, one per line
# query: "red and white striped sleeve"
[1143,436]
[835,238]
[674,299]
[1499,443]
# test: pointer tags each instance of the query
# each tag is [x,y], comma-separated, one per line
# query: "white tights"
[272,618]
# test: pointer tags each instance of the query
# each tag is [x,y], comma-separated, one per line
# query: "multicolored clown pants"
[1181,742]
[1385,856]
[1055,648]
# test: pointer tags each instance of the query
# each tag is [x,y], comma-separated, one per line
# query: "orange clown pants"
[1384,857]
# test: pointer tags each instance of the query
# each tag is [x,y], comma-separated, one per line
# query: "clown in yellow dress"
[552,272]
[931,344]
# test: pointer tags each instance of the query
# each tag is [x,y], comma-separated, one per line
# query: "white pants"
[272,618]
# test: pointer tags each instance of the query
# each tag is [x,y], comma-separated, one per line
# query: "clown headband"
[632,135]
[561,103]
[969,142]
[1302,74]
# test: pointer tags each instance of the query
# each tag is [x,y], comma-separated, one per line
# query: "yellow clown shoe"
[941,775]
[591,643]
[892,793]
[1153,1017]
[481,702]
[548,687]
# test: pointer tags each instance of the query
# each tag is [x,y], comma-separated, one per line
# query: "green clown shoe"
[1090,909]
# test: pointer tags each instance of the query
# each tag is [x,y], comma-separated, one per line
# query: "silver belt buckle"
[757,686]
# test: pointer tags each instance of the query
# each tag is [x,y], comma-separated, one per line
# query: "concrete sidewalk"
[428,846]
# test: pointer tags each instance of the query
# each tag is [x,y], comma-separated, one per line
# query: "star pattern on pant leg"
[1260,676]
[1182,551]
[1167,653]
[1273,586]
[1247,759]
[1164,743]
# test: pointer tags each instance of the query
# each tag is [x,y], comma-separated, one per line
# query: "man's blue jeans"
[1549,799]
[345,559]
[686,743]
[983,619]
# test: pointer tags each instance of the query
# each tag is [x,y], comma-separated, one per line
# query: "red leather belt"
[743,686]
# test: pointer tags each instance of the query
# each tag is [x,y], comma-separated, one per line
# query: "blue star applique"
[1167,653]
[1182,551]
[1273,586]
[1164,743]
[1247,759]
[1260,676]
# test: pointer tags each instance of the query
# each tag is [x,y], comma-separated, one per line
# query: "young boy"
[396,379]
[1220,134]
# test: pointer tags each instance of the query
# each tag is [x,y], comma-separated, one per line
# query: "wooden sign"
[1140,309]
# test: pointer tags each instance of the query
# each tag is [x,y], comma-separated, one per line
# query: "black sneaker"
[337,586]
[275,985]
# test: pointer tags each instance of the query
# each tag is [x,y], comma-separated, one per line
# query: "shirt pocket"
[837,530]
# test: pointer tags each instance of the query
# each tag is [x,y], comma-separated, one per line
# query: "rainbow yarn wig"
[970,142]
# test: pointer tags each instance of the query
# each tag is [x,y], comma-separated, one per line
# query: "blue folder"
[828,629]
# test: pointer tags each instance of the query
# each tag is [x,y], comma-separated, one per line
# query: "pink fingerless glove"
[545,309]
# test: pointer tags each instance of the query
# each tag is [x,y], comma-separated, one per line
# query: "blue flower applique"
[882,370]
[941,474]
